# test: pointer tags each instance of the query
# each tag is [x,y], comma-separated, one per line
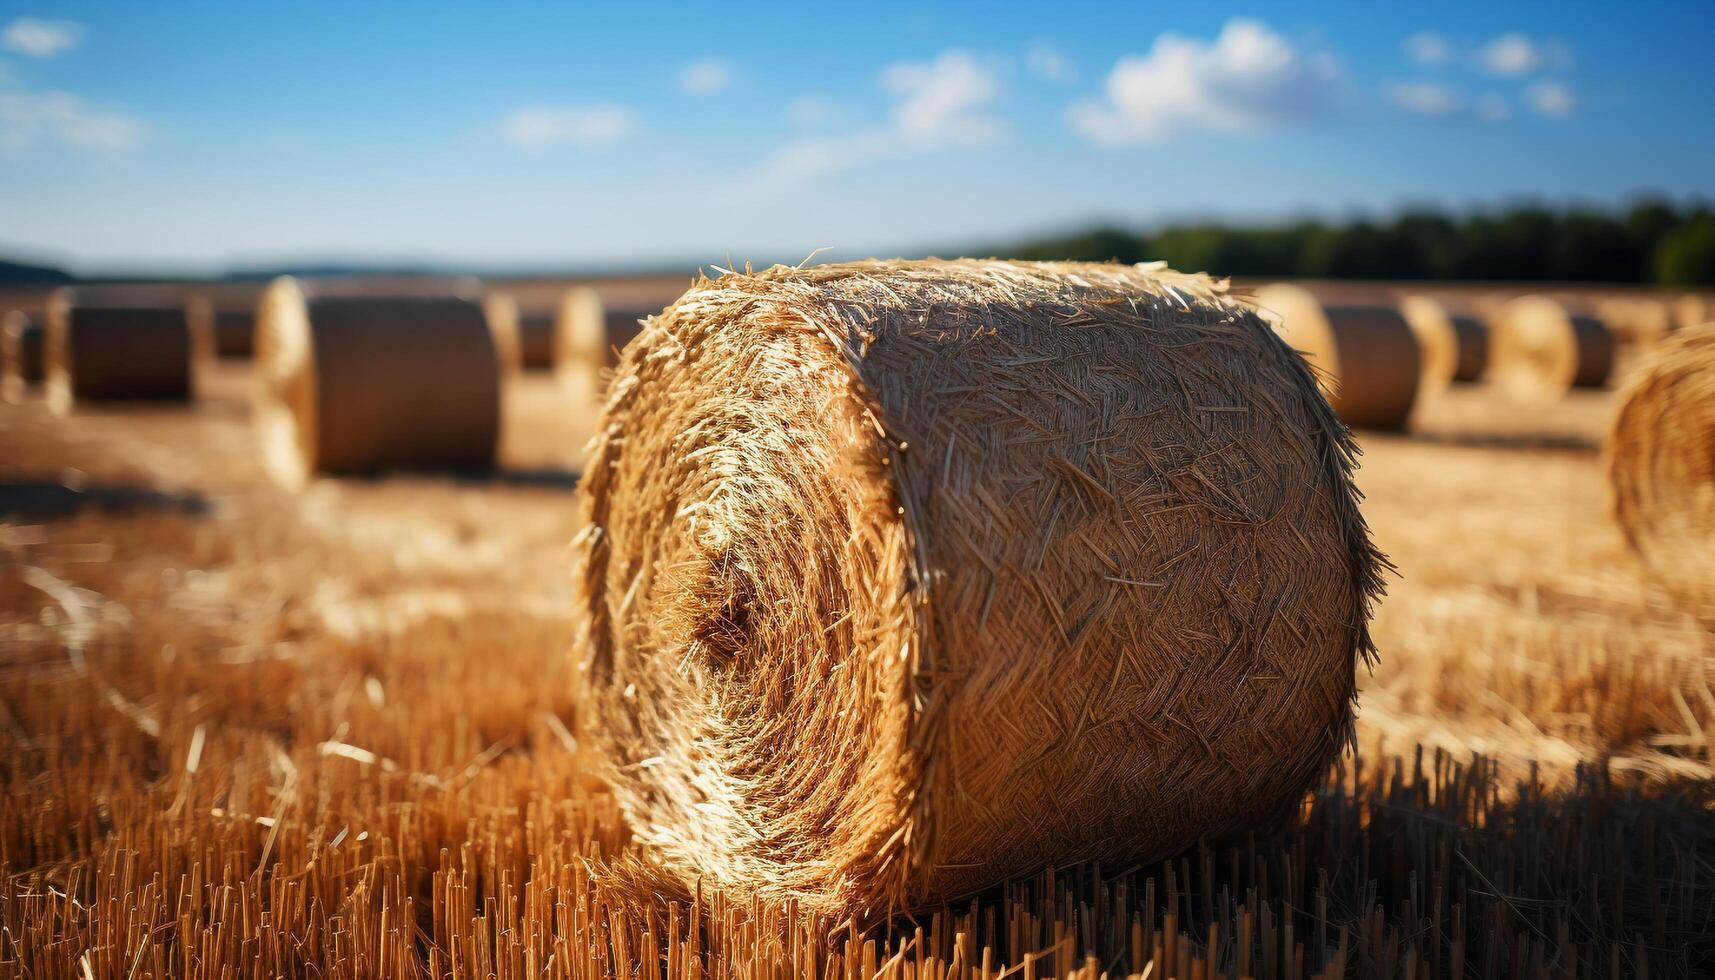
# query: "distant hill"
[24,274]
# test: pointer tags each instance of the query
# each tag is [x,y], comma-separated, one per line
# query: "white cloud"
[939,100]
[808,110]
[1493,108]
[31,119]
[41,38]
[587,126]
[1424,98]
[1515,55]
[1247,79]
[1551,99]
[704,78]
[1049,64]
[1428,48]
[805,158]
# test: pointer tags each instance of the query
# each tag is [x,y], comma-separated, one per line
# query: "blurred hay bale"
[361,383]
[1450,327]
[1540,349]
[1368,358]
[588,337]
[21,343]
[1693,310]
[1634,318]
[1661,465]
[525,333]
[117,343]
[226,314]
[899,579]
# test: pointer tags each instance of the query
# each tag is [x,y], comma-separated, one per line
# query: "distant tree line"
[1651,241]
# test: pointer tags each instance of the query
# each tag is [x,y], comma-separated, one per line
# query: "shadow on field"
[545,478]
[1510,441]
[42,499]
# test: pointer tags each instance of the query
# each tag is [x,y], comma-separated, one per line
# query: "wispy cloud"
[1248,78]
[41,38]
[1049,64]
[940,101]
[705,78]
[1428,48]
[809,110]
[1551,99]
[937,104]
[1424,98]
[585,126]
[32,119]
[1515,55]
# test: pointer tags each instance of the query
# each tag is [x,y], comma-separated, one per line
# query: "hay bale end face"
[589,335]
[525,333]
[370,384]
[1540,350]
[21,343]
[1368,357]
[226,316]
[117,344]
[1452,327]
[1661,466]
[901,579]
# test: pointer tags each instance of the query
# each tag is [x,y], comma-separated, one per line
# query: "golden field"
[335,734]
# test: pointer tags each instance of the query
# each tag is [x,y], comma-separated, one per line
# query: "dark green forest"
[1651,241]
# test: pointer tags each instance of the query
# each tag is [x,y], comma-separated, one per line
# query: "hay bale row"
[354,383]
[899,580]
[117,344]
[590,334]
[1449,331]
[21,343]
[1661,466]
[227,316]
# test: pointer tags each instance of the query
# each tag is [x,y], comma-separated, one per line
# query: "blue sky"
[199,136]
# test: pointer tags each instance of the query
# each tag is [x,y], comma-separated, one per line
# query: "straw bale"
[1634,318]
[1661,465]
[1368,358]
[525,332]
[1456,328]
[226,314]
[898,579]
[1540,349]
[20,354]
[362,383]
[588,337]
[117,343]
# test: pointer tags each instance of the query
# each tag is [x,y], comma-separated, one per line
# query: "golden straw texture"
[20,354]
[1367,357]
[359,383]
[117,344]
[898,579]
[1661,465]
[1540,349]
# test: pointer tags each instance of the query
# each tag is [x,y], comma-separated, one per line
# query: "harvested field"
[332,734]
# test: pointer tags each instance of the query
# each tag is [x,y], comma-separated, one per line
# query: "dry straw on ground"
[903,578]
[372,383]
[1457,332]
[21,343]
[1367,357]
[1661,465]
[117,344]
[1539,349]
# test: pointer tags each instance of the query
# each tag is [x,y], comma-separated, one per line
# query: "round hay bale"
[588,338]
[900,579]
[369,384]
[526,333]
[1661,465]
[1540,350]
[227,316]
[21,342]
[1452,329]
[1368,358]
[1693,310]
[117,344]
